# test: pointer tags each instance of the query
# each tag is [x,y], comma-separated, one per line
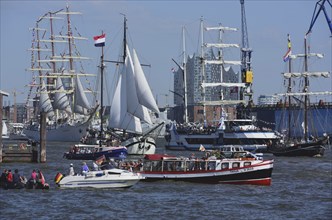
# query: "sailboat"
[59,92]
[308,143]
[131,105]
[229,131]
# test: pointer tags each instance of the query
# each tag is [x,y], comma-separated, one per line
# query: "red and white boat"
[241,168]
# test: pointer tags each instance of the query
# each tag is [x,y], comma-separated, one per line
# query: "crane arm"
[320,6]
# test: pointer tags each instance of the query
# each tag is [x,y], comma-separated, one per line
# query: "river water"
[301,189]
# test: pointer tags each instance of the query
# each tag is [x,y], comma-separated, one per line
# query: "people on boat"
[9,179]
[71,170]
[41,184]
[41,179]
[192,158]
[105,165]
[95,166]
[3,178]
[37,181]
[18,180]
[85,168]
[113,163]
[33,177]
[138,166]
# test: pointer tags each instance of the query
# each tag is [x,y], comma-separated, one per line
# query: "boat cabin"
[240,125]
[167,163]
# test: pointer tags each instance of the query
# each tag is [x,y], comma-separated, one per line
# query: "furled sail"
[45,104]
[223,84]
[222,62]
[304,93]
[221,45]
[81,103]
[61,101]
[306,74]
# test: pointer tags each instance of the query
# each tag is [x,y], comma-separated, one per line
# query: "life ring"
[23,146]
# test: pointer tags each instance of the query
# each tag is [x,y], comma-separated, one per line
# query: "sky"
[155,31]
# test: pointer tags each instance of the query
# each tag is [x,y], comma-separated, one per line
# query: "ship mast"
[306,90]
[289,89]
[124,38]
[184,67]
[203,71]
[101,93]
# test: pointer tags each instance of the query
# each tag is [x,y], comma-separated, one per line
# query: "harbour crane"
[246,71]
[318,8]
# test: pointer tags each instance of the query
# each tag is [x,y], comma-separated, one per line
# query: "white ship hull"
[250,140]
[63,133]
[137,147]
[113,178]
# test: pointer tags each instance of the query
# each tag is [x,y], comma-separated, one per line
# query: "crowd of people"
[9,180]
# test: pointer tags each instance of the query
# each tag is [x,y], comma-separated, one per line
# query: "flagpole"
[101,92]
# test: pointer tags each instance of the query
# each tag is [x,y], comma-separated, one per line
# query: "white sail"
[81,103]
[61,101]
[45,104]
[144,93]
[133,105]
[119,117]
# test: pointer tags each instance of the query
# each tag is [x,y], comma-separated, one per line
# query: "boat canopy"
[158,157]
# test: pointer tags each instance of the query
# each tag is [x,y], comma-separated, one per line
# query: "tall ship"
[56,87]
[229,130]
[132,105]
[307,142]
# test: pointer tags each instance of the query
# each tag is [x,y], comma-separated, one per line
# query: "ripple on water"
[301,189]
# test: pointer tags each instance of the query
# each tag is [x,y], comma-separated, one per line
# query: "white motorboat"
[112,178]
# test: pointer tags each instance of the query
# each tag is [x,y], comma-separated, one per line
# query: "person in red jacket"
[9,179]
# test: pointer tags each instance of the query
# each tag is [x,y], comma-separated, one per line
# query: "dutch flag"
[287,55]
[99,40]
[289,51]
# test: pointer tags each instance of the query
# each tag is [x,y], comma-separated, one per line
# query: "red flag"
[99,40]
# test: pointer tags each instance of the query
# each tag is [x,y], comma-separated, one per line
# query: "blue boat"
[93,152]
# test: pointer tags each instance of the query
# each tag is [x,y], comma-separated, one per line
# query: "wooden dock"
[19,151]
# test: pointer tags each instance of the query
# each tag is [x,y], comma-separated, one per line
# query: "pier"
[22,150]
